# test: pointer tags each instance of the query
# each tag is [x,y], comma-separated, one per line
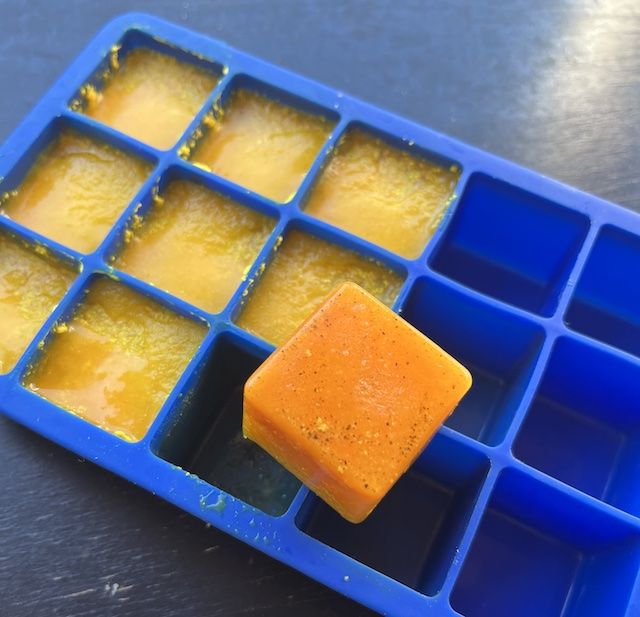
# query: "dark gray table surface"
[553,85]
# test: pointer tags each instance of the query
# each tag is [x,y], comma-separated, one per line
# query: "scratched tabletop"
[553,85]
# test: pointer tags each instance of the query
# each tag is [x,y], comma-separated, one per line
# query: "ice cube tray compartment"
[511,244]
[528,282]
[199,227]
[123,73]
[435,500]
[260,137]
[585,431]
[371,175]
[206,438]
[500,349]
[527,559]
[302,271]
[607,294]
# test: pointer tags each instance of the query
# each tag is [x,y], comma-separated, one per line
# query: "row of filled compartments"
[82,186]
[179,233]
[74,182]
[267,140]
[500,348]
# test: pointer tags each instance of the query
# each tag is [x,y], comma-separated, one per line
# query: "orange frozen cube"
[350,401]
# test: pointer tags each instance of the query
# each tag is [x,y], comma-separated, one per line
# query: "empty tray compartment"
[499,348]
[206,436]
[583,426]
[538,552]
[511,244]
[414,533]
[606,301]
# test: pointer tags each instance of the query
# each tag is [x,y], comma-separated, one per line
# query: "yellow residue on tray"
[383,194]
[118,360]
[303,273]
[196,245]
[261,144]
[76,190]
[30,288]
[151,96]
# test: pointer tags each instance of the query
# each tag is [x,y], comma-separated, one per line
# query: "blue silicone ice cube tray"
[526,503]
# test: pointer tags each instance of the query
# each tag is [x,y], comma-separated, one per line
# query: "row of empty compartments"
[581,425]
[519,558]
[416,535]
[80,188]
